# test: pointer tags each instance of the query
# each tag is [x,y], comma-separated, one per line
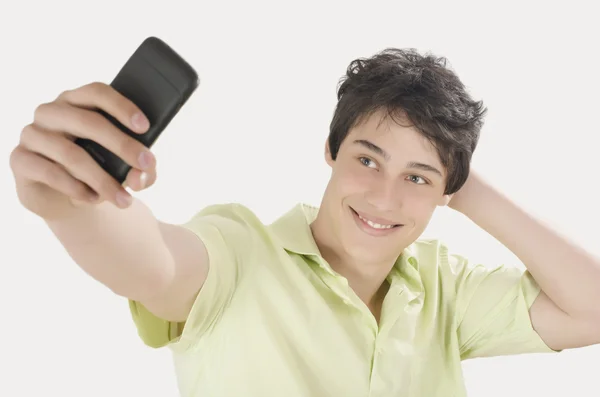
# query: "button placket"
[339,285]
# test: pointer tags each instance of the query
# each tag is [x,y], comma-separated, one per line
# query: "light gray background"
[254,133]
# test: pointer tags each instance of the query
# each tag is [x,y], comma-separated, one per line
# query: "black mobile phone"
[159,81]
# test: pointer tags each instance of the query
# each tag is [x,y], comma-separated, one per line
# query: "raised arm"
[113,237]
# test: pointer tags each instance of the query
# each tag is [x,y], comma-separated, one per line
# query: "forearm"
[122,249]
[569,275]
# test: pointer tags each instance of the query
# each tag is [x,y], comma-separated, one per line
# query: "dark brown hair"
[420,89]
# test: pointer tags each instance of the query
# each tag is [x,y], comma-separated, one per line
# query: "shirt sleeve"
[492,309]
[227,232]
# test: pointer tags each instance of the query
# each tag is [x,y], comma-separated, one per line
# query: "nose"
[384,196]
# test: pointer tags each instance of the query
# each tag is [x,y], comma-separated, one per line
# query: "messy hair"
[417,88]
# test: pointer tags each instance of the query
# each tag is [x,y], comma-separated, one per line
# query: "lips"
[374,225]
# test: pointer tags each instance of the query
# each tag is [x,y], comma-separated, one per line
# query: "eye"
[367,162]
[418,180]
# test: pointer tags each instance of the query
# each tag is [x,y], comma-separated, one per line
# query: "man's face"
[386,182]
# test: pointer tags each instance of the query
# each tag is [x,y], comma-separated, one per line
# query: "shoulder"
[227,226]
[430,252]
[227,211]
[228,217]
[434,257]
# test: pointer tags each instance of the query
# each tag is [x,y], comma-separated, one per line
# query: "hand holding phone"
[159,82]
[84,145]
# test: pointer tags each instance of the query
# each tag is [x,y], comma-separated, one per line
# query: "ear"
[445,200]
[328,159]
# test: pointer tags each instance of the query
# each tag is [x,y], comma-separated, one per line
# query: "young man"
[343,300]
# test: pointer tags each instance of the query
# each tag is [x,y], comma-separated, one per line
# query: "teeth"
[376,225]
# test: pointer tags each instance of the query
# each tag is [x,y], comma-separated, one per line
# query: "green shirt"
[274,319]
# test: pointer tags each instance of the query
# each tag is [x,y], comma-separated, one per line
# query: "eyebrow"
[424,167]
[373,147]
[411,164]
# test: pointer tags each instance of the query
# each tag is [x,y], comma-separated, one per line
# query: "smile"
[374,227]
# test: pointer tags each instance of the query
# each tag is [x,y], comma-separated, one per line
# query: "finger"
[139,180]
[83,123]
[77,162]
[104,97]
[31,166]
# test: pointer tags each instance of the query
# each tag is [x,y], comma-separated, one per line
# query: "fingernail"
[145,160]
[140,122]
[123,199]
[143,179]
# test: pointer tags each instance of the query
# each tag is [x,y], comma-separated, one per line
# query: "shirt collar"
[293,230]
[294,234]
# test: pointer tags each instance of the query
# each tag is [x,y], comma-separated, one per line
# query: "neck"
[367,280]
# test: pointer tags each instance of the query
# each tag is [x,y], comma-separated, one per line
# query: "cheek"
[419,204]
[353,181]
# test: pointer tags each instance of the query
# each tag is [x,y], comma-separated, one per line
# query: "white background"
[254,133]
